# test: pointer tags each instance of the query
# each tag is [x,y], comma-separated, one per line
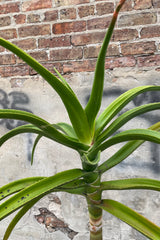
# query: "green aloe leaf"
[17,186]
[124,152]
[124,118]
[34,147]
[95,99]
[66,128]
[133,134]
[75,111]
[132,218]
[64,80]
[117,105]
[45,127]
[133,183]
[18,216]
[29,128]
[38,189]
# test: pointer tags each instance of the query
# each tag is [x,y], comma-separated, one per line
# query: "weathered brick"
[2,49]
[51,15]
[66,54]
[67,27]
[34,30]
[79,66]
[138,48]
[8,33]
[20,18]
[124,34]
[26,44]
[93,51]
[127,6]
[137,19]
[36,4]
[98,23]
[115,62]
[148,61]
[7,59]
[63,41]
[149,32]
[142,4]
[9,8]
[86,10]
[5,21]
[68,13]
[40,56]
[20,70]
[156,3]
[59,3]
[87,38]
[104,8]
[33,18]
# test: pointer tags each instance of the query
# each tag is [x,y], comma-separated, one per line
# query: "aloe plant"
[89,135]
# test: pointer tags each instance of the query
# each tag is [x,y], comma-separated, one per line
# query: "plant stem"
[95,213]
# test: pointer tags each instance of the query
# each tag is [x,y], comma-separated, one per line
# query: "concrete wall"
[67,35]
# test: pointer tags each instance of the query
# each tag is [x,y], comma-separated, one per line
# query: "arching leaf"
[132,218]
[125,117]
[75,111]
[133,183]
[116,106]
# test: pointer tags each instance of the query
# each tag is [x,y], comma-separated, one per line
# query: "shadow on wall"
[144,98]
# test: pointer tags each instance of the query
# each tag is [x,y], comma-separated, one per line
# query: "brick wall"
[67,34]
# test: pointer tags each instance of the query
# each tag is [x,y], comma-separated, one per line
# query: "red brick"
[66,54]
[124,34]
[113,62]
[33,18]
[68,13]
[156,3]
[138,48]
[93,51]
[26,44]
[104,8]
[34,30]
[142,4]
[20,18]
[36,4]
[2,49]
[85,11]
[137,19]
[148,61]
[67,27]
[59,3]
[79,66]
[127,6]
[98,23]
[51,15]
[40,56]
[9,8]
[63,41]
[7,59]
[150,32]
[9,33]
[5,21]
[87,38]
[20,70]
